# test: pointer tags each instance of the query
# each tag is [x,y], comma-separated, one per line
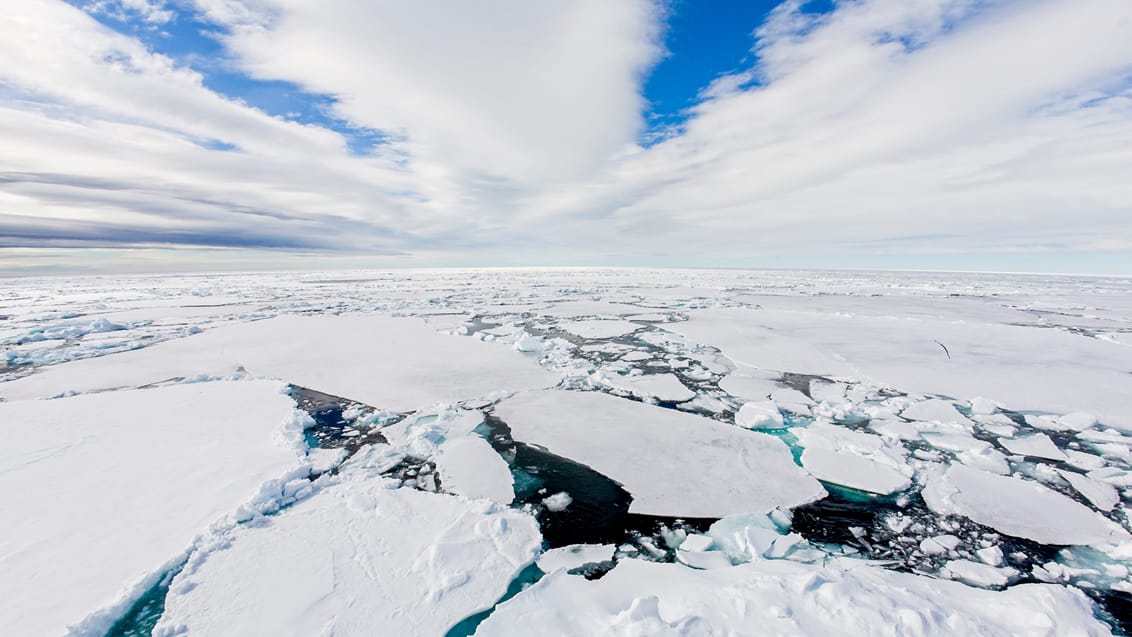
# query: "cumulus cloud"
[515,132]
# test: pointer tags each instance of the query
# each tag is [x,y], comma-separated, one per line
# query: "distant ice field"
[459,452]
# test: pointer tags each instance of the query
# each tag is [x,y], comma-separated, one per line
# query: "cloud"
[513,132]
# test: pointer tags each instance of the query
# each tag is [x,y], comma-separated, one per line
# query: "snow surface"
[777,597]
[354,558]
[103,493]
[709,469]
[1018,507]
[397,364]
[468,466]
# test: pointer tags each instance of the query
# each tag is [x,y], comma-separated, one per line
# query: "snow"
[854,459]
[785,598]
[573,556]
[599,328]
[351,558]
[468,466]
[759,415]
[1036,445]
[710,469]
[104,492]
[1103,496]
[398,364]
[1017,507]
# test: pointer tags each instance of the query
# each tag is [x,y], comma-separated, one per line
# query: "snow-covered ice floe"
[104,493]
[785,598]
[358,558]
[672,463]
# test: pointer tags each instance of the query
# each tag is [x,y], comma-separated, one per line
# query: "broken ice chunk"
[469,467]
[991,555]
[1101,495]
[976,574]
[558,502]
[939,544]
[703,560]
[759,415]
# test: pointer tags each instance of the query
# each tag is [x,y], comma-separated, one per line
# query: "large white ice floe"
[103,493]
[355,559]
[1018,507]
[398,364]
[709,469]
[777,597]
[854,459]
[469,466]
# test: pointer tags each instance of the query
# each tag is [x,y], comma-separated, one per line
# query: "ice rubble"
[397,364]
[710,469]
[354,558]
[854,459]
[102,493]
[1017,507]
[785,598]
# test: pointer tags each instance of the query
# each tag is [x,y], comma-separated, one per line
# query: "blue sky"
[966,134]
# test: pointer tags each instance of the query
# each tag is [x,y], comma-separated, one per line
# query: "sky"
[167,135]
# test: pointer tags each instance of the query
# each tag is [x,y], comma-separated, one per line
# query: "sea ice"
[977,574]
[711,469]
[1035,445]
[354,558]
[1103,496]
[599,328]
[936,410]
[398,364]
[777,597]
[102,493]
[573,556]
[1017,507]
[468,466]
[853,459]
[759,415]
[656,386]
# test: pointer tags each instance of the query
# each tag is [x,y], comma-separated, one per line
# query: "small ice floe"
[598,328]
[978,574]
[759,415]
[557,502]
[854,459]
[1035,445]
[939,544]
[468,466]
[666,387]
[936,410]
[573,556]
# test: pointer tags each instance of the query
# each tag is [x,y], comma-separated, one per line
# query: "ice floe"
[1018,507]
[710,469]
[573,556]
[354,558]
[854,459]
[103,493]
[468,466]
[785,598]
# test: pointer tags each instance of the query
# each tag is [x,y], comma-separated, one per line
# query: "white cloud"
[887,126]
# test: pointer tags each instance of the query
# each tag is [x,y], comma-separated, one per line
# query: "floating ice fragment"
[557,502]
[1036,445]
[991,555]
[936,410]
[759,415]
[939,544]
[573,556]
[853,459]
[468,466]
[977,574]
[1101,495]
